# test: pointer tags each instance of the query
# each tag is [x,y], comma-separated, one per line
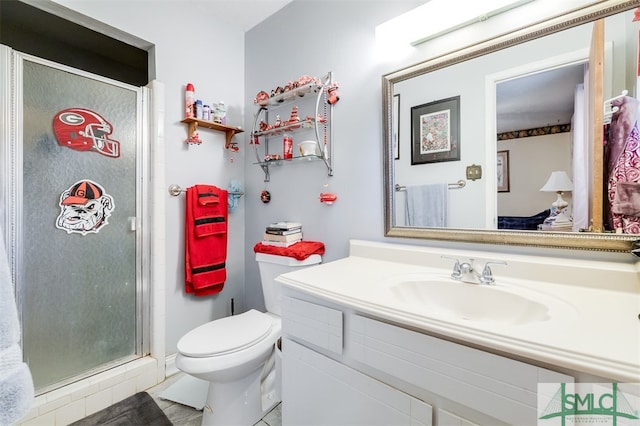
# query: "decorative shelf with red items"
[193,123]
[278,118]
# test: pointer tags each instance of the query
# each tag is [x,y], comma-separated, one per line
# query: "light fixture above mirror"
[439,17]
[436,18]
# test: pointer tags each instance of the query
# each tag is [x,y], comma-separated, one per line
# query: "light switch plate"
[474,172]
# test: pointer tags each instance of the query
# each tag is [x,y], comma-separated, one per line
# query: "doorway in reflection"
[540,123]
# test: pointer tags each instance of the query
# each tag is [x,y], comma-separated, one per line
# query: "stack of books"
[282,234]
[559,223]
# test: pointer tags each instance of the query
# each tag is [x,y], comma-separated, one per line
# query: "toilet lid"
[226,335]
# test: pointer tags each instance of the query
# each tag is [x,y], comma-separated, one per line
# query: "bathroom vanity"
[386,337]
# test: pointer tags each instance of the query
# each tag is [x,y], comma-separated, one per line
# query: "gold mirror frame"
[583,241]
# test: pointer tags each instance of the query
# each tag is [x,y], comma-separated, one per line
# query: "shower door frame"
[11,192]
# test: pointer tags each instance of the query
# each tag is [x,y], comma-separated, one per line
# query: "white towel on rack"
[16,385]
[427,205]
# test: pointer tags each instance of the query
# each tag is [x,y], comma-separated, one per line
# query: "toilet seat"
[226,335]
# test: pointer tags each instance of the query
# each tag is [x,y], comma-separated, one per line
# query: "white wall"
[191,45]
[314,37]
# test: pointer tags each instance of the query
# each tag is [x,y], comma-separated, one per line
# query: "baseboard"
[170,365]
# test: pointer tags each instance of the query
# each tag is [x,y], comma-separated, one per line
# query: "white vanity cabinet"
[344,368]
[318,390]
[321,391]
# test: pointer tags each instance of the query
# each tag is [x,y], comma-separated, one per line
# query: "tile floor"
[182,415]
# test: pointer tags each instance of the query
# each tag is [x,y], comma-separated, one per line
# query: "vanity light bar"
[438,17]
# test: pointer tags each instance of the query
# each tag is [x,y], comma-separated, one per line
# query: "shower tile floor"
[182,415]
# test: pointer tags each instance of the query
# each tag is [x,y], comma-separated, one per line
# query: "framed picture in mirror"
[436,131]
[396,126]
[502,164]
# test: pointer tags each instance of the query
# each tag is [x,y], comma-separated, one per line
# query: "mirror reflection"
[540,123]
[528,117]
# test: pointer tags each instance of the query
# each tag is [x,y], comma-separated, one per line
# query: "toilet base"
[233,396]
[270,392]
[239,403]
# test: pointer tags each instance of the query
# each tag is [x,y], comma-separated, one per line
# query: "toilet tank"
[271,266]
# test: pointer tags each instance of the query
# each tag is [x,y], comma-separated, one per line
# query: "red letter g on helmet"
[84,130]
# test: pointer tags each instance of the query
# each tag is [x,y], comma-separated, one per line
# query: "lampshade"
[558,182]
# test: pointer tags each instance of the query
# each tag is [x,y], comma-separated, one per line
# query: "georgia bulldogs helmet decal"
[85,208]
[84,130]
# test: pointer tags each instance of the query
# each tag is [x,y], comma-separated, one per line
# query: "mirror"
[475,88]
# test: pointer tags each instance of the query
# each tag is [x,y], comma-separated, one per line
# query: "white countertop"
[594,326]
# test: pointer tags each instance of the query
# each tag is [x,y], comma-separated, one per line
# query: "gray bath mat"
[139,409]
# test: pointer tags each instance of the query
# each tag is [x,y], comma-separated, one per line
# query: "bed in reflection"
[526,223]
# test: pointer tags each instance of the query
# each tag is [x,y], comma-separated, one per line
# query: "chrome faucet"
[466,272]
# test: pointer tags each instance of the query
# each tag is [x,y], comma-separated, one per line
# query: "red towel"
[205,240]
[299,251]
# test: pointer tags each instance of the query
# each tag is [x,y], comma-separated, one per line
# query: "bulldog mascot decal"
[85,208]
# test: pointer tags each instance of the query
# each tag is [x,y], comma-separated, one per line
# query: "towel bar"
[459,184]
[175,190]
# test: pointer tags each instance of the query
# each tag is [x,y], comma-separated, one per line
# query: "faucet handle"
[457,273]
[487,275]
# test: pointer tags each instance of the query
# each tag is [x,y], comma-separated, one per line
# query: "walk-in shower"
[74,206]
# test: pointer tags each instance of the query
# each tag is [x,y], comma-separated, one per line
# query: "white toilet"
[236,354]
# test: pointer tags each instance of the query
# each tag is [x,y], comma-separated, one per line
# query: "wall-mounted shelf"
[301,91]
[282,161]
[315,123]
[287,128]
[230,131]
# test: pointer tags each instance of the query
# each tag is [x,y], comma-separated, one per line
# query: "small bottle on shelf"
[222,111]
[287,146]
[189,100]
[199,109]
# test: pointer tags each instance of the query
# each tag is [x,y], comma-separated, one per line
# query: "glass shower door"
[78,278]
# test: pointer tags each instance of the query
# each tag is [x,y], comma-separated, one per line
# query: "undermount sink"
[448,298]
